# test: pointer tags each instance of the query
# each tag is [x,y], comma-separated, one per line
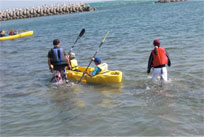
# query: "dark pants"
[59,67]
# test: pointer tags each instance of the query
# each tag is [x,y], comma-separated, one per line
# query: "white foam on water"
[147,88]
[149,77]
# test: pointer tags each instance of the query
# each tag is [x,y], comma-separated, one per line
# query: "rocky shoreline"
[167,1]
[44,11]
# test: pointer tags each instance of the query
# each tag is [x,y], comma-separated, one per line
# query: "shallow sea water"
[32,106]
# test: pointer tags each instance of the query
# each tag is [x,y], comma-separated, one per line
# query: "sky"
[13,4]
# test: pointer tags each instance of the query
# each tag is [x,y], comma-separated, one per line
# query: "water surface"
[32,106]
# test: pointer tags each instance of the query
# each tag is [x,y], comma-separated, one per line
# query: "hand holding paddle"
[93,56]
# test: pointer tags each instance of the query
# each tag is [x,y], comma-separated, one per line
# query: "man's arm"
[169,61]
[50,65]
[68,62]
[91,74]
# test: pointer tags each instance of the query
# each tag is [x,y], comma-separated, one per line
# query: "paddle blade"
[82,32]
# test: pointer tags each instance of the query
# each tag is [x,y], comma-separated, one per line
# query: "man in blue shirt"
[99,67]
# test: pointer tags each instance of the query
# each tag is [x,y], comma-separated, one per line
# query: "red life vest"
[160,58]
[11,32]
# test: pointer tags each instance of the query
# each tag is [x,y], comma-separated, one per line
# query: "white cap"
[72,54]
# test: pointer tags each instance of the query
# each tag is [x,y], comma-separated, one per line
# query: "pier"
[167,1]
[39,11]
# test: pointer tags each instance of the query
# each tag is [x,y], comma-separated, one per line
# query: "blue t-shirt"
[96,71]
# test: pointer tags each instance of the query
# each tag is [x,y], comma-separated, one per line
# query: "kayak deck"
[105,77]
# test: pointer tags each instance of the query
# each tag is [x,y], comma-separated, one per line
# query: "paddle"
[4,31]
[23,30]
[81,34]
[11,30]
[94,56]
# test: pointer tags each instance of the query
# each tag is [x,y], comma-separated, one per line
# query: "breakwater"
[167,1]
[44,11]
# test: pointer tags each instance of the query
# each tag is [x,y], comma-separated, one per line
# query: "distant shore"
[39,11]
[167,1]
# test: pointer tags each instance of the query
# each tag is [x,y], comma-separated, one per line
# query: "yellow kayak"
[23,34]
[105,77]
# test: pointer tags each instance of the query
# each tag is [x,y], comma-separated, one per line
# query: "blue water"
[32,106]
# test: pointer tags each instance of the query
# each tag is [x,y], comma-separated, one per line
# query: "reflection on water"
[73,97]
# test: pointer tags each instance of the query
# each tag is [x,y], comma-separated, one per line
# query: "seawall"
[44,11]
[167,1]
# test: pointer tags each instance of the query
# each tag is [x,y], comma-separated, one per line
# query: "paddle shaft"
[74,44]
[81,34]
[4,31]
[16,30]
[94,56]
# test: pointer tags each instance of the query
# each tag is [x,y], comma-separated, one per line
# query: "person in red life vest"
[12,32]
[59,59]
[158,60]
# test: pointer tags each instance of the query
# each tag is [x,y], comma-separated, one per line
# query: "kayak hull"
[105,77]
[20,35]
